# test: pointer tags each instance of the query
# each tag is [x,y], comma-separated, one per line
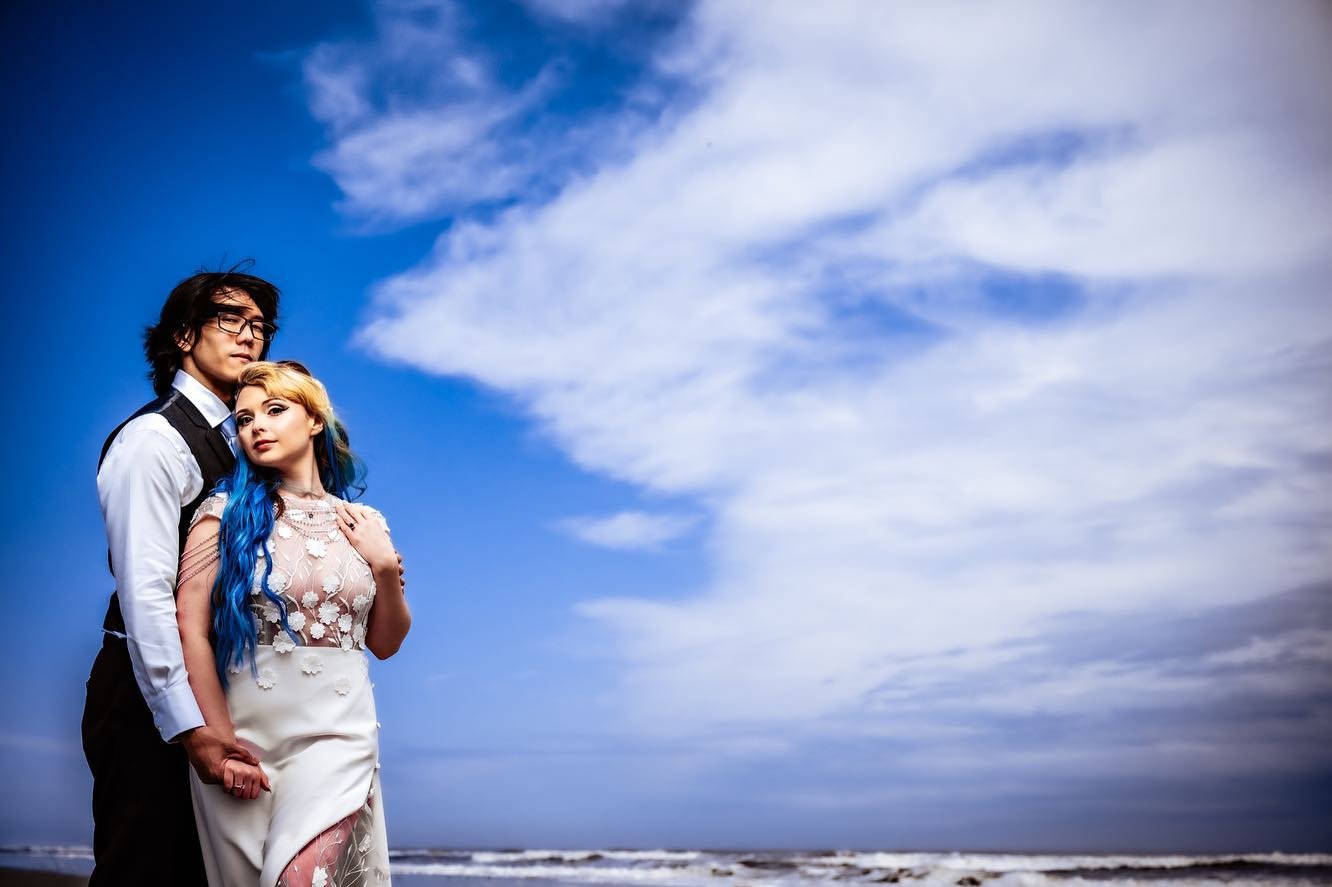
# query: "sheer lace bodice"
[326,585]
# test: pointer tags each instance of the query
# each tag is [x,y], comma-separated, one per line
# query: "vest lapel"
[222,458]
[217,441]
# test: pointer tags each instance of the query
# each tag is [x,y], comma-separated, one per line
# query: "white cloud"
[628,529]
[419,124]
[703,316]
[1310,644]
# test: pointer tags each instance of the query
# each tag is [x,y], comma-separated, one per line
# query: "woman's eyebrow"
[246,411]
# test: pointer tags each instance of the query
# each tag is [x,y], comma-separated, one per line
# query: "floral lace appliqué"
[328,612]
[326,587]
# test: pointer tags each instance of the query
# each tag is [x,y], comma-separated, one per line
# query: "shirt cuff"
[175,710]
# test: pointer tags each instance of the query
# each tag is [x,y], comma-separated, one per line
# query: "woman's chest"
[326,586]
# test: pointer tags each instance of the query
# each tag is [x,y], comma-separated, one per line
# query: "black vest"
[210,451]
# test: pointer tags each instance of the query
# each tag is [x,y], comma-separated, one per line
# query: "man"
[140,720]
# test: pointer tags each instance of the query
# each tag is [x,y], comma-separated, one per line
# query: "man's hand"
[209,750]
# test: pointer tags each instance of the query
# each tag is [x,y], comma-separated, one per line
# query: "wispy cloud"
[419,124]
[422,124]
[952,319]
[628,529]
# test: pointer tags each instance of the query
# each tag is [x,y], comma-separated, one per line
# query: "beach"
[15,877]
[620,867]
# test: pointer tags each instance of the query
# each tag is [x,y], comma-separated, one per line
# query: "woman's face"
[274,432]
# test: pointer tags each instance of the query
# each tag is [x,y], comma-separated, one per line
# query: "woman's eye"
[242,421]
[274,410]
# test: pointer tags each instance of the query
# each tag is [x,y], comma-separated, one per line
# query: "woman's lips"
[259,445]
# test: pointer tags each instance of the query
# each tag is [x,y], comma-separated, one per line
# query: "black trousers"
[143,819]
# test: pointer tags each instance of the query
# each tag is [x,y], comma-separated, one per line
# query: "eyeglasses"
[234,323]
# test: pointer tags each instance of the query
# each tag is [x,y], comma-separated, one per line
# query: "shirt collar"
[212,407]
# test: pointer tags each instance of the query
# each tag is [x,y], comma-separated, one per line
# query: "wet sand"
[12,877]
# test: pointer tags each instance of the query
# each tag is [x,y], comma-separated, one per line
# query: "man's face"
[217,356]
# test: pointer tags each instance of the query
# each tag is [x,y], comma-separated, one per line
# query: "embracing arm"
[213,748]
[389,619]
[194,615]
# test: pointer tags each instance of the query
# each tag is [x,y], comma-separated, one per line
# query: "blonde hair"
[290,380]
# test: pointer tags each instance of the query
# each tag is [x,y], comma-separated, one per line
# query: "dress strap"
[198,558]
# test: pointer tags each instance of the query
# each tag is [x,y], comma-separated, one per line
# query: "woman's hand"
[367,534]
[243,781]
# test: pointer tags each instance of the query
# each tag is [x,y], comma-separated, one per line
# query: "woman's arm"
[389,619]
[237,770]
[194,617]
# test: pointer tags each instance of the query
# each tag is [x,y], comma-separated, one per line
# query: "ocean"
[786,868]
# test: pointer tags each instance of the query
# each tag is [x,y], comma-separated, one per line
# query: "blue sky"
[850,426]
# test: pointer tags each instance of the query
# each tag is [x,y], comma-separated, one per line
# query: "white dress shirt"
[147,477]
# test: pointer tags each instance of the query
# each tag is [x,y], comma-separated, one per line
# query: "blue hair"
[247,524]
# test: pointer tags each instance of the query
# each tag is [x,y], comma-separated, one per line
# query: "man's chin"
[232,372]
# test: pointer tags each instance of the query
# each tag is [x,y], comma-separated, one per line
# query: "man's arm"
[143,481]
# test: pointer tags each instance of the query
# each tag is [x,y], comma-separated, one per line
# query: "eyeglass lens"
[232,323]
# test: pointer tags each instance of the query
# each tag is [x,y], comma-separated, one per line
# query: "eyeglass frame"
[271,329]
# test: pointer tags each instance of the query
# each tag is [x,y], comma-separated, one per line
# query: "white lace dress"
[308,713]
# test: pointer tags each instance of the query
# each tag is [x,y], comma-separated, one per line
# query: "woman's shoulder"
[212,506]
[360,504]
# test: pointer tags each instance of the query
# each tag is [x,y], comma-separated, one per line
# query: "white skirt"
[310,719]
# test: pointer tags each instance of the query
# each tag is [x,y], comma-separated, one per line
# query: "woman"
[283,586]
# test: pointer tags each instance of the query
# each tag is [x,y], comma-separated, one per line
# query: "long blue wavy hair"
[253,504]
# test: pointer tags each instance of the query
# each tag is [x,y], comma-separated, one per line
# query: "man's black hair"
[190,306]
